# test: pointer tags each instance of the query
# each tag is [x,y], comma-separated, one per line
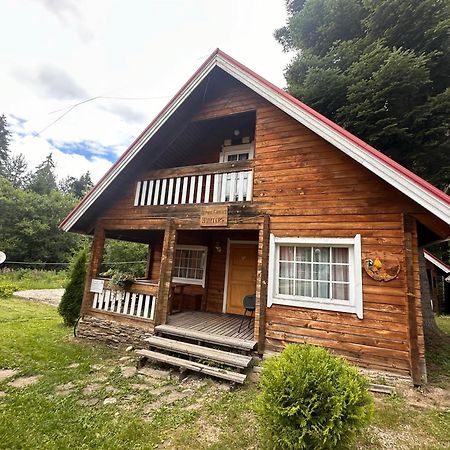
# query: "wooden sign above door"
[214,216]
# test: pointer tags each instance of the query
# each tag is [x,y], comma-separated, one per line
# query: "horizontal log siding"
[311,189]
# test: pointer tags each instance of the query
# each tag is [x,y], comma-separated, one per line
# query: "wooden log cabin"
[239,189]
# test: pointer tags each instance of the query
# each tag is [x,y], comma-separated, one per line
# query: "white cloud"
[141,49]
[66,164]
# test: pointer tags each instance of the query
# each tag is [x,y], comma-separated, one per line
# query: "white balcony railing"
[212,183]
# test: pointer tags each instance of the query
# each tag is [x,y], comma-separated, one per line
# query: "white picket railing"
[236,186]
[126,303]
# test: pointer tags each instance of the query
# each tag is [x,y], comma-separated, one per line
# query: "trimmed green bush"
[6,289]
[311,399]
[69,307]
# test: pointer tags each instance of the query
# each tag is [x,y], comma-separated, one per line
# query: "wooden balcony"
[201,184]
[137,301]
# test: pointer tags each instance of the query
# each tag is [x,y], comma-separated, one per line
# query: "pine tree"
[43,180]
[380,68]
[70,305]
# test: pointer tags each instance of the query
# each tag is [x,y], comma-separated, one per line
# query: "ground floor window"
[190,264]
[319,273]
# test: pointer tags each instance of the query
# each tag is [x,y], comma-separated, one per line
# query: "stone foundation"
[112,333]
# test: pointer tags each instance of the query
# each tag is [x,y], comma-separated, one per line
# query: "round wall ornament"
[382,266]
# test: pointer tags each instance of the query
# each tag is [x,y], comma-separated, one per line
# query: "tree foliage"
[43,180]
[69,307]
[4,142]
[29,225]
[381,69]
[77,187]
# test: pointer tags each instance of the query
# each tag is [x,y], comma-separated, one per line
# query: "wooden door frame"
[227,267]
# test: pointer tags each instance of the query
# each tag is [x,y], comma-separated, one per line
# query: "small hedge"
[311,399]
[6,289]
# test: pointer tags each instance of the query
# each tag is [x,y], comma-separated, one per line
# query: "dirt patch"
[88,402]
[73,366]
[209,433]
[426,397]
[48,296]
[165,401]
[401,439]
[24,381]
[128,372]
[154,373]
[2,394]
[65,389]
[90,388]
[7,373]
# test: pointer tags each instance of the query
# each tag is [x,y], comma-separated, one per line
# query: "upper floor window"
[240,152]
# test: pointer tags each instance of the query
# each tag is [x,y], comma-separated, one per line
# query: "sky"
[81,79]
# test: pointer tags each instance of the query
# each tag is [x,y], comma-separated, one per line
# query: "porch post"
[96,257]
[165,277]
[261,284]
[413,301]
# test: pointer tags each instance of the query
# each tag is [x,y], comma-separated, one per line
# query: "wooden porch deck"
[214,324]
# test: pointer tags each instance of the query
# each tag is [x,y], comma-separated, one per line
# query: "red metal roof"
[385,160]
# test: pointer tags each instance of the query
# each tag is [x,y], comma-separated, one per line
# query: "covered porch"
[198,301]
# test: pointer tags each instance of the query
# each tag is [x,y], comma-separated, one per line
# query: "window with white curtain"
[319,273]
[190,264]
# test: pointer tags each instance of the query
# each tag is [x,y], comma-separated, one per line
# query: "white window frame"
[236,150]
[205,257]
[353,305]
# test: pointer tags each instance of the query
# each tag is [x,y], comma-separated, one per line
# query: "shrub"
[6,289]
[311,399]
[70,304]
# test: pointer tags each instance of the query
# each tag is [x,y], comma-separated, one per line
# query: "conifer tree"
[70,305]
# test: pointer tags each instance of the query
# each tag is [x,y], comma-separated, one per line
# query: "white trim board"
[437,262]
[396,178]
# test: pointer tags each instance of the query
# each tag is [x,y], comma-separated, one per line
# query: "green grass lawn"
[64,409]
[24,279]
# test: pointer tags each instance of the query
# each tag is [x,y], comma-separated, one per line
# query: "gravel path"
[48,296]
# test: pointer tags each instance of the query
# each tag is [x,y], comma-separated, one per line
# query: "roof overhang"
[436,261]
[411,185]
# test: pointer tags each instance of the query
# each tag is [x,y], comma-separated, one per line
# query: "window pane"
[321,272]
[243,156]
[303,254]
[321,290]
[340,273]
[340,255]
[303,271]
[303,288]
[286,287]
[286,270]
[286,253]
[232,157]
[321,254]
[341,291]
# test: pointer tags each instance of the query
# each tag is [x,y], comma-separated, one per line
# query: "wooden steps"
[224,341]
[195,366]
[197,351]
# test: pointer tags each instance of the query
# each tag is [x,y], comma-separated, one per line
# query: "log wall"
[308,188]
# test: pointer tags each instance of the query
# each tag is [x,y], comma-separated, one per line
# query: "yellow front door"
[241,275]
